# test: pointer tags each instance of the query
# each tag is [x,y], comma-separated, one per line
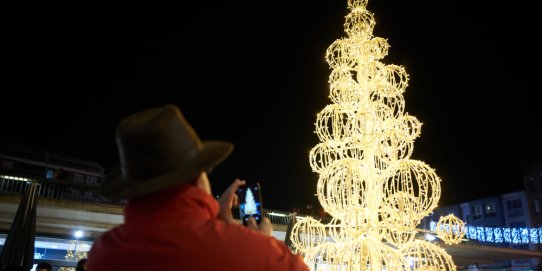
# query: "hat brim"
[212,153]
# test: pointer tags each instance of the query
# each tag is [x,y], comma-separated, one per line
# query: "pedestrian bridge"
[58,221]
[64,217]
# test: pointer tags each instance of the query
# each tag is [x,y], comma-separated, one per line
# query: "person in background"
[81,265]
[44,266]
[171,220]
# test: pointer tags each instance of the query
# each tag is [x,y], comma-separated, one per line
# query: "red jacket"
[179,229]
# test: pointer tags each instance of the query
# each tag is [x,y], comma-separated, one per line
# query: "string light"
[367,182]
[499,234]
[450,229]
[75,253]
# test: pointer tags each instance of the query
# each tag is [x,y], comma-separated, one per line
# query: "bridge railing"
[57,189]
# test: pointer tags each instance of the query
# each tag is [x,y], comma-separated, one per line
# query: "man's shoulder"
[108,236]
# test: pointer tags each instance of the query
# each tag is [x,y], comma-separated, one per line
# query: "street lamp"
[77,234]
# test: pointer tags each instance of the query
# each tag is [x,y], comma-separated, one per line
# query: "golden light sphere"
[450,229]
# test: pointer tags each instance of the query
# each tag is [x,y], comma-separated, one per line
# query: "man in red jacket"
[171,221]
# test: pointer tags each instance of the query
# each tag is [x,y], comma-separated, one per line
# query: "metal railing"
[56,189]
[276,217]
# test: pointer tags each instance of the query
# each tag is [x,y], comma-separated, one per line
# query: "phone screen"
[250,202]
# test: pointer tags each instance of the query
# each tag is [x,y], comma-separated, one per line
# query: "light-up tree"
[367,182]
[250,205]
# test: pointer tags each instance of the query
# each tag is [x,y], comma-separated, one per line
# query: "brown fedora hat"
[158,149]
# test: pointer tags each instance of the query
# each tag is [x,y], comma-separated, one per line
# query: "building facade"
[60,177]
[500,221]
[532,178]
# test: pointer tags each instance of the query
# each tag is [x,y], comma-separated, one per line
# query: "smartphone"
[250,202]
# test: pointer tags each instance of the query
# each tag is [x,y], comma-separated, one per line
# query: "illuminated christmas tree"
[250,205]
[75,254]
[367,182]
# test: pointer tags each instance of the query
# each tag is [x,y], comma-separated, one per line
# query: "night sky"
[254,73]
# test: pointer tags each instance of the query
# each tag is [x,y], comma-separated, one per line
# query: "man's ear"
[202,182]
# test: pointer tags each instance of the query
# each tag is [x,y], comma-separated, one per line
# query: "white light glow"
[15,178]
[78,234]
[54,243]
[520,235]
[276,214]
[430,237]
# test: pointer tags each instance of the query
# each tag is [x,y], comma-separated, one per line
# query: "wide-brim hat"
[158,149]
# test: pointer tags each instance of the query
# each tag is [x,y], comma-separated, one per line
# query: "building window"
[49,173]
[78,177]
[537,206]
[514,204]
[477,211]
[514,207]
[92,179]
[490,209]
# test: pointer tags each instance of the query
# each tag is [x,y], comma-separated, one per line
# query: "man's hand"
[264,228]
[229,199]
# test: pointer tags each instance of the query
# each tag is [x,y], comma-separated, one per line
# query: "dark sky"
[253,72]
